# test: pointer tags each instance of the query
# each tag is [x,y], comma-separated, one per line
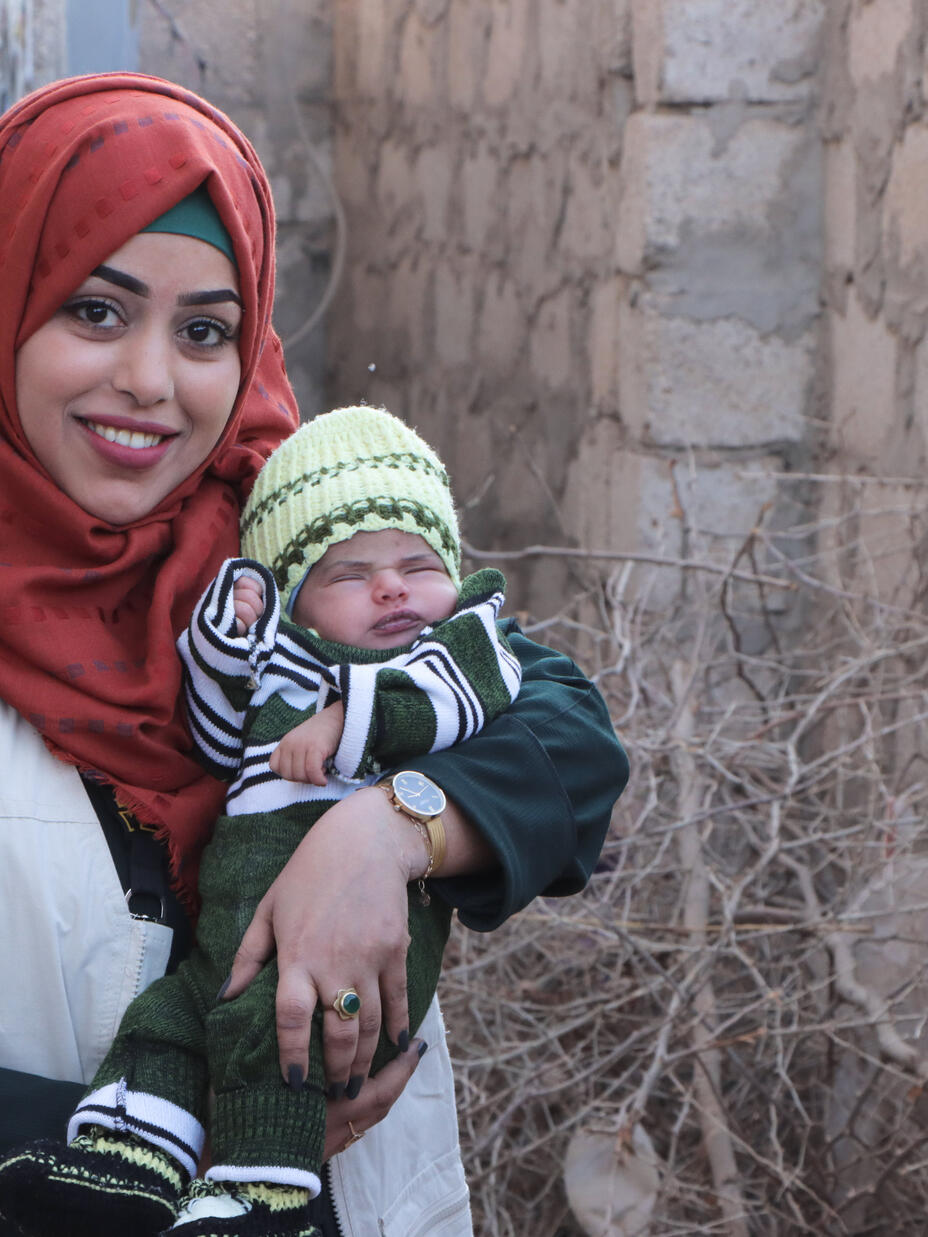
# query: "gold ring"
[355,1136]
[347,1005]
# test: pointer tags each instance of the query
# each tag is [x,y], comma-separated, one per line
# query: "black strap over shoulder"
[141,864]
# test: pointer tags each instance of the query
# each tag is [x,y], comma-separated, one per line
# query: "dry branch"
[747,974]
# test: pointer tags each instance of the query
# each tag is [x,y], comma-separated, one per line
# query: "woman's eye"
[207,332]
[95,313]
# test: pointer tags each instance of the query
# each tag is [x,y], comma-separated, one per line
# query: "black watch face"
[418,794]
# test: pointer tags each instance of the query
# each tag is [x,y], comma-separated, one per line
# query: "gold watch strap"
[432,830]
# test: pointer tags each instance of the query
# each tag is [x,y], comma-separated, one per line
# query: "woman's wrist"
[411,847]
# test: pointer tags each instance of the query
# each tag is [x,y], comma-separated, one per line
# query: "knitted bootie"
[240,1209]
[99,1185]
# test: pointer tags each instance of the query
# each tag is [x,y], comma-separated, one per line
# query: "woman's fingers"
[256,948]
[372,1104]
[296,1000]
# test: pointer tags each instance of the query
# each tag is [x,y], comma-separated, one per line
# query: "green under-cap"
[196,216]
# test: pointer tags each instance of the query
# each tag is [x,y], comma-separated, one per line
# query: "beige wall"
[876,273]
[268,64]
[585,243]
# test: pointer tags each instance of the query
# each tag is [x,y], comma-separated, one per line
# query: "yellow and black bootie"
[243,1209]
[102,1184]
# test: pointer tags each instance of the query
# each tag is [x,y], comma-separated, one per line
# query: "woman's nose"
[143,369]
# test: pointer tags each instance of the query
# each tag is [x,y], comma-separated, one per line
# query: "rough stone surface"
[708,51]
[864,357]
[702,384]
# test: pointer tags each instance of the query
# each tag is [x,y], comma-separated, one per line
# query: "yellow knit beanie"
[349,471]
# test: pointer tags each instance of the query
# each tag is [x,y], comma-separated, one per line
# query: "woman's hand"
[337,916]
[373,1103]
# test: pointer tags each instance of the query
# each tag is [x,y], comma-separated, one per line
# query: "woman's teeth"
[135,439]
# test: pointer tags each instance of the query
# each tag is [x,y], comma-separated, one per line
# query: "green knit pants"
[176,1041]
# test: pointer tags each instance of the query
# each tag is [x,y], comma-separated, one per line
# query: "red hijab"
[89,611]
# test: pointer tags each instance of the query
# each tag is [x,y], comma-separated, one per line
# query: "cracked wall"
[585,250]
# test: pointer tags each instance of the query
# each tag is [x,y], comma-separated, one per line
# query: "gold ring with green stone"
[347,1004]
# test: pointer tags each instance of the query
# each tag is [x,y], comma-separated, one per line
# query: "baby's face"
[376,590]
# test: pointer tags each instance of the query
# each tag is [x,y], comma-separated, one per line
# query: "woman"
[141,385]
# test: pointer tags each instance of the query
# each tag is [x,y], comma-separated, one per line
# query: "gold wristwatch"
[421,802]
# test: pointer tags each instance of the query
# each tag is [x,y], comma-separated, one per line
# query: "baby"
[351,532]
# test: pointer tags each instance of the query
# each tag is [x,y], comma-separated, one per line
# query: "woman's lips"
[128,446]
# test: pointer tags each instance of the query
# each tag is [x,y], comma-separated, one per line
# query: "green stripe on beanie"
[349,471]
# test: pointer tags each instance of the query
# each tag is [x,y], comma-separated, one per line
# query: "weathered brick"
[840,206]
[707,51]
[677,181]
[875,34]
[454,316]
[432,175]
[481,202]
[550,342]
[709,383]
[604,342]
[416,79]
[905,219]
[464,28]
[503,326]
[506,53]
[371,33]
[863,398]
[589,224]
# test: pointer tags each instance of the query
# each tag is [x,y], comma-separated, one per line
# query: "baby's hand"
[248,602]
[300,756]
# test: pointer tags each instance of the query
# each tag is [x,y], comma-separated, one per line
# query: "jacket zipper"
[327,1189]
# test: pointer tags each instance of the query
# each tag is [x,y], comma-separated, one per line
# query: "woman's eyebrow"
[213,296]
[122,280]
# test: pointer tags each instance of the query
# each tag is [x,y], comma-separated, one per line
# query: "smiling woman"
[147,370]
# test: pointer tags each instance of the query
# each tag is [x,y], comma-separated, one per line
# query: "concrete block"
[620,500]
[550,350]
[863,367]
[840,206]
[875,33]
[507,49]
[454,316]
[677,181]
[708,51]
[717,383]
[905,218]
[503,325]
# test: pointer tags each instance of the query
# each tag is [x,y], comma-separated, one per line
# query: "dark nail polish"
[402,1041]
[354,1086]
[423,1048]
[294,1078]
[336,1091]
[225,987]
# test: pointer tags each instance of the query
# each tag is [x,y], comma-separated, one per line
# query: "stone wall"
[267,63]
[585,243]
[876,278]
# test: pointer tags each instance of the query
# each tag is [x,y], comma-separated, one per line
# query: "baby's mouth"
[399,618]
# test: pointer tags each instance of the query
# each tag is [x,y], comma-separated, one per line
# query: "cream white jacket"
[73,958]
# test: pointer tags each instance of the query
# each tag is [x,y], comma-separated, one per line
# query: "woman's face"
[124,392]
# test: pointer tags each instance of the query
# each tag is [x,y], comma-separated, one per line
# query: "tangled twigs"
[746,976]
